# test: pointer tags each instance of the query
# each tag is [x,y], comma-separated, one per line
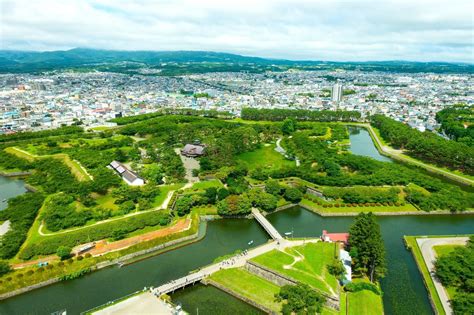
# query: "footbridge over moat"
[236,261]
[266,225]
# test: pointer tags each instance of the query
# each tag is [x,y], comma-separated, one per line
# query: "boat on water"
[288,233]
[250,243]
[4,200]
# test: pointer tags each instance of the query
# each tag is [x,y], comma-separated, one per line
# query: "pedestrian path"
[266,224]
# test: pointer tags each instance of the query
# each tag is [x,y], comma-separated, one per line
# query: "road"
[429,256]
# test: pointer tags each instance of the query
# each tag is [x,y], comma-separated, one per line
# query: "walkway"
[233,262]
[429,256]
[189,164]
[266,225]
[282,151]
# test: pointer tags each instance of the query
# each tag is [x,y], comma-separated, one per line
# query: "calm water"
[403,288]
[10,187]
[362,144]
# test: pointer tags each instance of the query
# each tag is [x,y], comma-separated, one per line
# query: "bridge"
[266,225]
[238,260]
[233,262]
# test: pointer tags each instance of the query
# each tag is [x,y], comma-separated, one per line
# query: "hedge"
[49,244]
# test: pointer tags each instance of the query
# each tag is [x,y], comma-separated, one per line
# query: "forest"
[457,122]
[426,146]
[302,115]
[455,270]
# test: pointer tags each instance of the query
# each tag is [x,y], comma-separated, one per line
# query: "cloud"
[301,29]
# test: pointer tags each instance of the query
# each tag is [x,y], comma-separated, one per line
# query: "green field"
[306,263]
[265,157]
[250,286]
[364,302]
[441,250]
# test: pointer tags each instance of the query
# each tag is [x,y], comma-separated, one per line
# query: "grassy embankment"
[307,264]
[76,168]
[413,246]
[32,274]
[249,286]
[400,156]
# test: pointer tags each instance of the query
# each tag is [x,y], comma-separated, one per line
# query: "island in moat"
[106,197]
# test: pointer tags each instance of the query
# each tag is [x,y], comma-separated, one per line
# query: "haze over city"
[318,30]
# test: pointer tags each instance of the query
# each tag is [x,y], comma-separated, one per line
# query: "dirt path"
[103,246]
[429,256]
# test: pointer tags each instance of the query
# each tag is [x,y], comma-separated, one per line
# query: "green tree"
[367,247]
[234,205]
[300,299]
[64,252]
[4,268]
[293,194]
[183,205]
[273,187]
[153,173]
[289,125]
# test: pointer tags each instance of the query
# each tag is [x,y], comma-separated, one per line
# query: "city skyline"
[336,31]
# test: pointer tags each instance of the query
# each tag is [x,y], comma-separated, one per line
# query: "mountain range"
[77,58]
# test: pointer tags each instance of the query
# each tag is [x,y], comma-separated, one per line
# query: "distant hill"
[181,62]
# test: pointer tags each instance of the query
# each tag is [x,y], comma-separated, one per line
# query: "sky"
[350,30]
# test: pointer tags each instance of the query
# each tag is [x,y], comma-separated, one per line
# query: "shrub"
[40,269]
[60,264]
[359,286]
[88,255]
[79,258]
[70,261]
[4,268]
[19,276]
[30,272]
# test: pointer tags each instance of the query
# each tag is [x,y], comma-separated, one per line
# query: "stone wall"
[270,275]
[282,280]
[29,288]
[240,297]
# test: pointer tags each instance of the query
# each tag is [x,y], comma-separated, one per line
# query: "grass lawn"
[203,185]
[265,157]
[364,302]
[164,190]
[250,286]
[206,210]
[306,263]
[441,250]
[413,245]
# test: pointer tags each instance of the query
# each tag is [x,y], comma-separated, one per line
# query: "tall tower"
[337,93]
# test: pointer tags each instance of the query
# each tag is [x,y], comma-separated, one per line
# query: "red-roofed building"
[335,237]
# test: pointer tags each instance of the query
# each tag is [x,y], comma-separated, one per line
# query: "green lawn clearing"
[306,263]
[250,286]
[364,302]
[265,157]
